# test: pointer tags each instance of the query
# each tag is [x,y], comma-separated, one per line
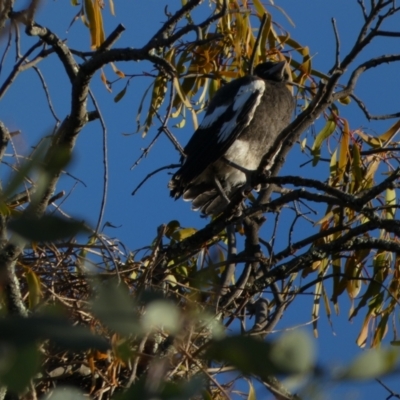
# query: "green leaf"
[326,131]
[47,228]
[18,366]
[182,234]
[181,390]
[66,393]
[115,308]
[161,314]
[390,200]
[120,95]
[21,331]
[292,353]
[371,364]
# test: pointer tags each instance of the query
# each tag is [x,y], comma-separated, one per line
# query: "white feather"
[241,98]
[210,119]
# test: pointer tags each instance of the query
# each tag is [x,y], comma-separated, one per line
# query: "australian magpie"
[242,121]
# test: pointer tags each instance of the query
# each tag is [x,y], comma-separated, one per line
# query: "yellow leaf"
[186,102]
[345,100]
[112,9]
[35,292]
[264,37]
[333,167]
[183,234]
[363,336]
[390,201]
[373,142]
[104,80]
[252,392]
[389,134]
[181,124]
[325,218]
[157,98]
[259,8]
[369,176]
[93,14]
[316,307]
[100,36]
[380,331]
[344,148]
[353,272]
[90,14]
[117,71]
[326,131]
[171,280]
[356,165]
[303,144]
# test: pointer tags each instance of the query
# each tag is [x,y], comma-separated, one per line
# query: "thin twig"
[148,176]
[367,114]
[46,91]
[146,151]
[363,9]
[337,40]
[17,69]
[105,163]
[8,46]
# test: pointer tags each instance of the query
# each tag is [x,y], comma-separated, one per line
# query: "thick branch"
[61,49]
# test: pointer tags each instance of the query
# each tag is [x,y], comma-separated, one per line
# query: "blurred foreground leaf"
[292,353]
[115,308]
[47,228]
[20,331]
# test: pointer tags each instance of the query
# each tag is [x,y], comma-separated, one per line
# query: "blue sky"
[137,218]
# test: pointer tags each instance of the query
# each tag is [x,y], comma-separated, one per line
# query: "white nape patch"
[213,117]
[240,100]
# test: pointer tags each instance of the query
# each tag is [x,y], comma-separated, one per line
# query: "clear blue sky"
[24,108]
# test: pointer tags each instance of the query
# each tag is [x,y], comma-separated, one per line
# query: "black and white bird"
[242,122]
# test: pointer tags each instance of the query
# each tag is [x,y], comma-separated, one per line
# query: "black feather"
[241,123]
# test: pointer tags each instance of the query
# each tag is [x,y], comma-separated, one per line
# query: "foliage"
[153,323]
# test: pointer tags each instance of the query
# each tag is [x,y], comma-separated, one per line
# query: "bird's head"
[272,71]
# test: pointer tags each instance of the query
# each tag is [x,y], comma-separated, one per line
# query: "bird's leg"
[221,190]
[248,173]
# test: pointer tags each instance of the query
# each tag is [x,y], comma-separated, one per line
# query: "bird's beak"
[278,69]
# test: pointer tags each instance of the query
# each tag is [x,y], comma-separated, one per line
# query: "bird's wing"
[229,113]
